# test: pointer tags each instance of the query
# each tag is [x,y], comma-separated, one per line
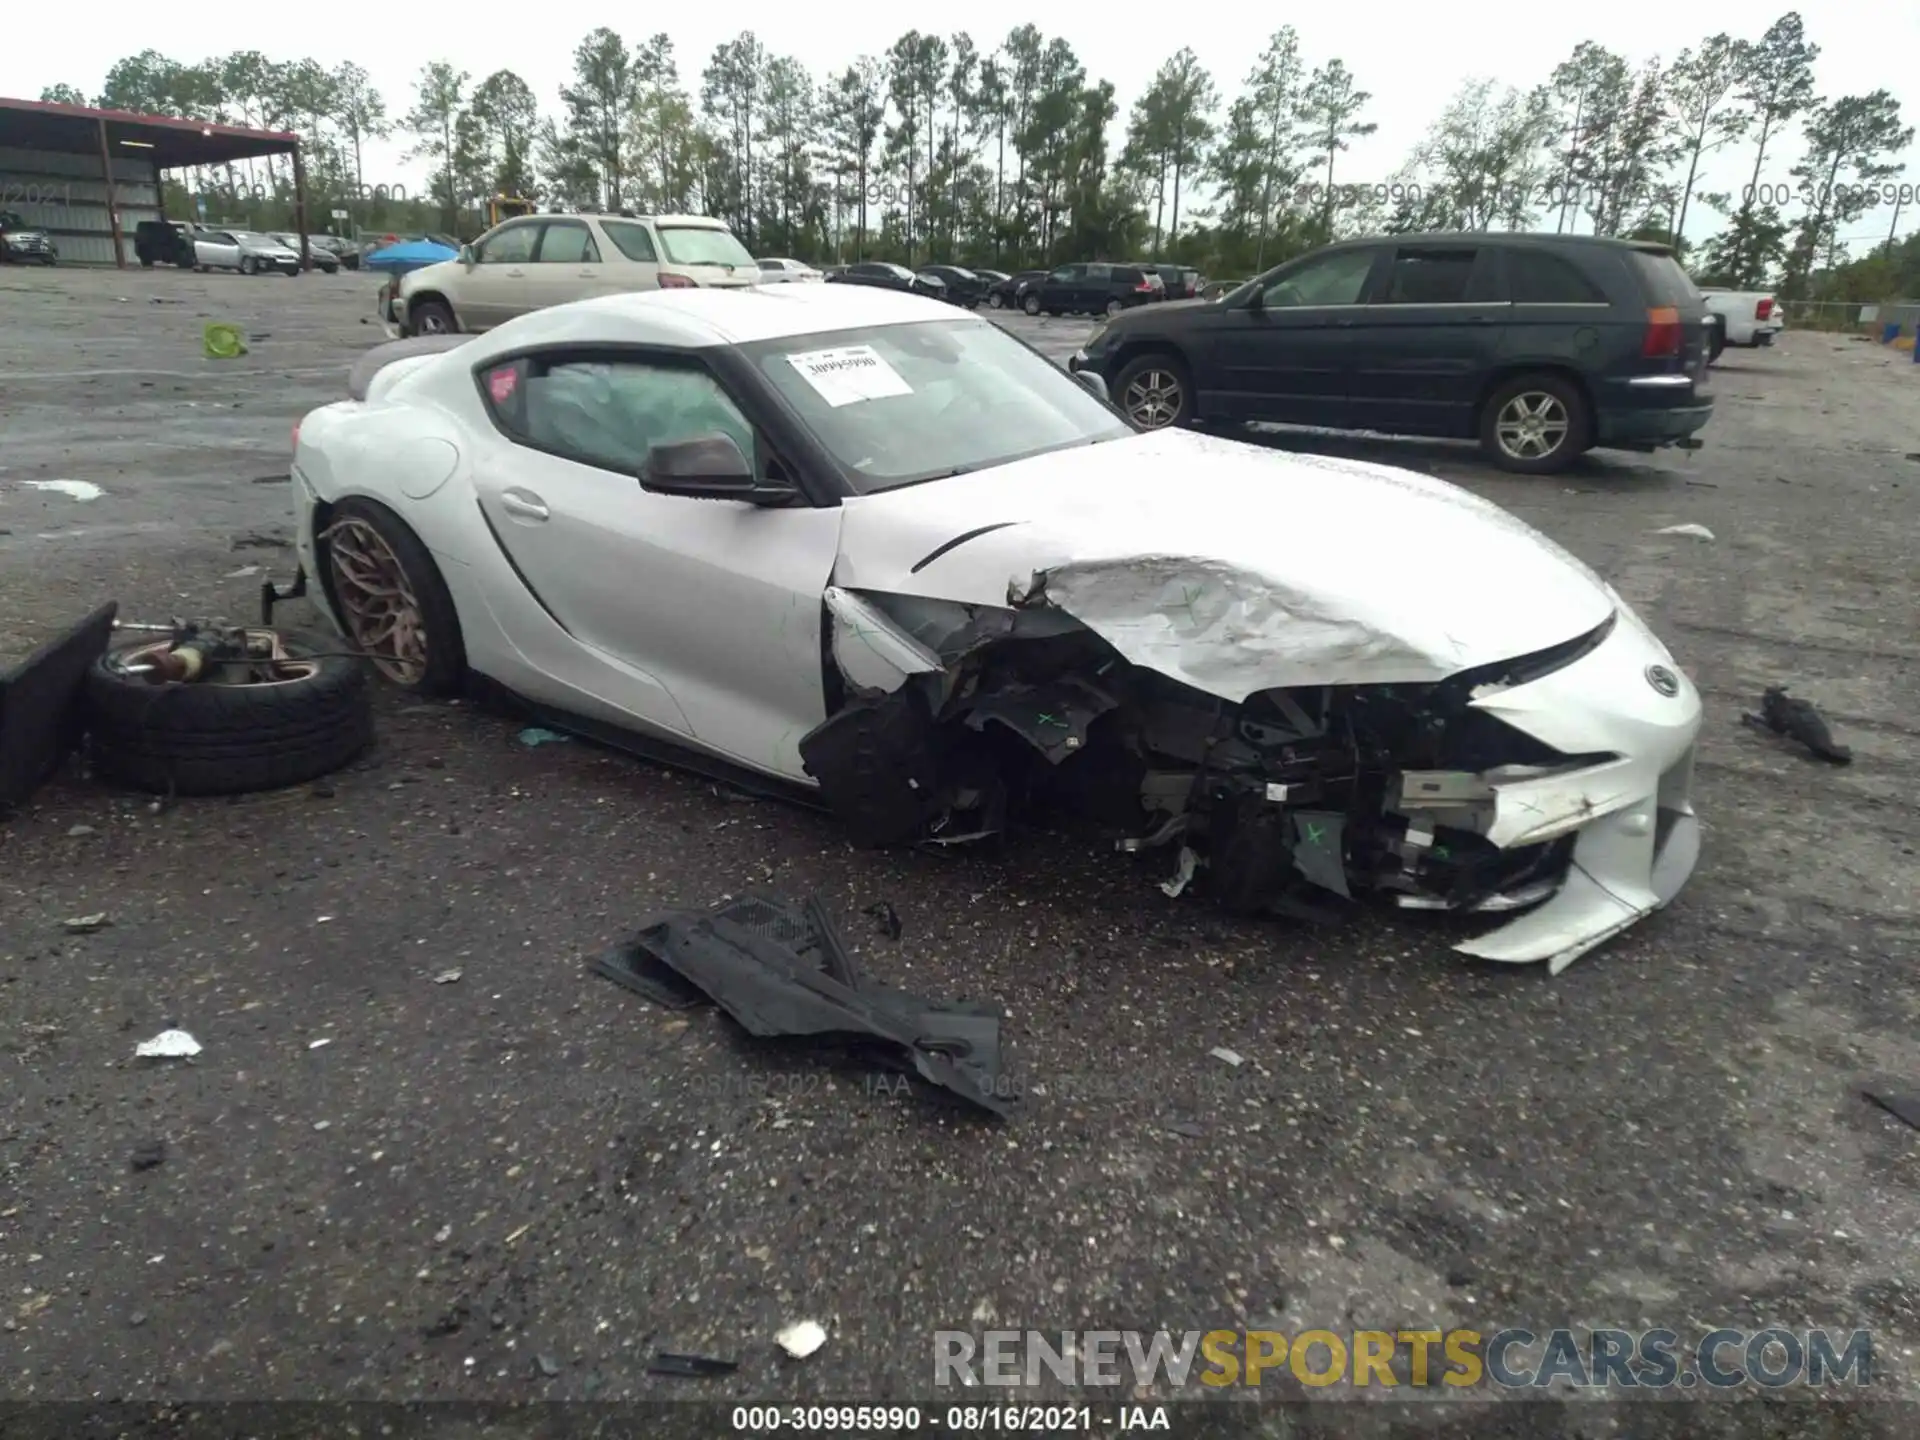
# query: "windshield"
[897,404]
[699,245]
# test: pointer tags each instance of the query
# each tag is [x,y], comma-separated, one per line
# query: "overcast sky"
[1409,56]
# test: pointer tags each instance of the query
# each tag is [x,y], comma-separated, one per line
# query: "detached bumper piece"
[780,970]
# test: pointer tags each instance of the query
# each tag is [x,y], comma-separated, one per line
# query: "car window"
[1098,272]
[632,241]
[1666,283]
[1328,280]
[608,414]
[701,245]
[898,404]
[772,265]
[1428,277]
[512,246]
[1538,277]
[568,243]
[1067,272]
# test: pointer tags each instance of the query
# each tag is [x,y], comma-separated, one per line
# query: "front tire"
[996,301]
[1535,425]
[431,317]
[391,600]
[1154,392]
[1114,307]
[1031,305]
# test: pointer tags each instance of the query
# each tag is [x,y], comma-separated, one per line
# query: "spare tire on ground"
[295,719]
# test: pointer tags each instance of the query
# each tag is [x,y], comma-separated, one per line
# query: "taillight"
[1663,334]
[1764,310]
[670,281]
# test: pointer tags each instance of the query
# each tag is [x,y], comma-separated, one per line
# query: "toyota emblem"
[1663,680]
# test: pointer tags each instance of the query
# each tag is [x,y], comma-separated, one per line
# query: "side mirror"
[1094,384]
[708,467]
[467,257]
[1258,299]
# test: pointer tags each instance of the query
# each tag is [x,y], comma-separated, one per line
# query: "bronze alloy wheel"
[377,601]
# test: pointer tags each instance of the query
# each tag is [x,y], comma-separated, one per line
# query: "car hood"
[24,234]
[1233,567]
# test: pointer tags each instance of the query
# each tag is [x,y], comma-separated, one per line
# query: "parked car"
[1540,346]
[833,491]
[247,251]
[992,277]
[782,271]
[345,251]
[1092,290]
[533,261]
[1182,282]
[163,242]
[1749,318]
[24,244]
[885,275]
[323,258]
[965,287]
[1008,293]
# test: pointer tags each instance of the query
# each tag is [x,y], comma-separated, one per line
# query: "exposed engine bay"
[953,720]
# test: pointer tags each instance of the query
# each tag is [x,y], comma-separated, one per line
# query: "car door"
[703,617]
[494,289]
[1283,352]
[217,250]
[566,266]
[1060,290]
[1427,338]
[1091,290]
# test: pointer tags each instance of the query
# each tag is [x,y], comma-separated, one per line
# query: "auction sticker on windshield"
[848,374]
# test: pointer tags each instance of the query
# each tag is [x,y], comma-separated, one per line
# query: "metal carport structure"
[63,165]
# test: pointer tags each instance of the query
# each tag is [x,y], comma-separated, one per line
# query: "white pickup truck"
[1747,317]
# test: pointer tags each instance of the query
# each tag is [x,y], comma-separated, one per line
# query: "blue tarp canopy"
[409,255]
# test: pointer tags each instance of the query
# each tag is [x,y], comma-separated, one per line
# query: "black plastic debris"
[638,969]
[668,1362]
[780,970]
[886,919]
[148,1155]
[1791,719]
[40,722]
[1904,1108]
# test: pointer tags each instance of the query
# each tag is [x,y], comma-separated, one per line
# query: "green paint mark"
[1053,720]
[1315,835]
[1189,594]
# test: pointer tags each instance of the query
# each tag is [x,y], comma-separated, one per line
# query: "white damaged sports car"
[857,547]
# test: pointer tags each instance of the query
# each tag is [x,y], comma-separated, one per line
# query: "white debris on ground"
[168,1045]
[802,1339]
[1232,1057]
[82,490]
[1698,532]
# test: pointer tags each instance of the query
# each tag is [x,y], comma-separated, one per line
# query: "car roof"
[1456,239]
[704,317]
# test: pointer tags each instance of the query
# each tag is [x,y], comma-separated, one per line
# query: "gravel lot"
[532,1163]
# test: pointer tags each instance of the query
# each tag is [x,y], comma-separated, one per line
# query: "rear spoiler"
[360,378]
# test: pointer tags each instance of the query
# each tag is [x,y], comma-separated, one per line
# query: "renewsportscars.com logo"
[1441,1360]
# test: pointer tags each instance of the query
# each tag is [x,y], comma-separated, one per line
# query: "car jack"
[271,594]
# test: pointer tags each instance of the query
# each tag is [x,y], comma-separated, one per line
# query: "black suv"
[1093,290]
[1007,293]
[885,275]
[1183,282]
[964,288]
[1539,346]
[161,242]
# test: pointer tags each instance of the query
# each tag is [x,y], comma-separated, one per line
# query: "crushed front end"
[1554,787]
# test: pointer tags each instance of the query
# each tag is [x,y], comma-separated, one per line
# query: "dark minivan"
[1183,282]
[1541,347]
[1006,293]
[1093,290]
